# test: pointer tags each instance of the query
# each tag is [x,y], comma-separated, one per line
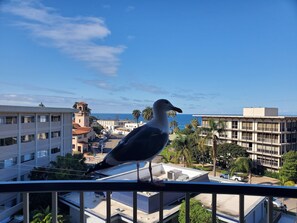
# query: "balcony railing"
[27,187]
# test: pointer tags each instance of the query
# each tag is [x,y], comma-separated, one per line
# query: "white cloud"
[74,36]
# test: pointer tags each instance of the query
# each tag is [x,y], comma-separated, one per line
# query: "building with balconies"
[265,134]
[30,137]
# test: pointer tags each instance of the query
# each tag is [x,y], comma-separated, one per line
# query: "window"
[8,141]
[28,118]
[55,150]
[56,134]
[42,153]
[234,135]
[43,118]
[8,120]
[234,124]
[8,163]
[42,136]
[56,118]
[27,157]
[27,138]
[247,136]
[247,125]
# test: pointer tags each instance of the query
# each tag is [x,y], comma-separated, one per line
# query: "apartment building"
[265,134]
[30,137]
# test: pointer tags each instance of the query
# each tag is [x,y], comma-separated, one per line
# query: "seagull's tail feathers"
[99,166]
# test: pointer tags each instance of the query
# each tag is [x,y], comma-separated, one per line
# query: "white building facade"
[30,137]
[265,134]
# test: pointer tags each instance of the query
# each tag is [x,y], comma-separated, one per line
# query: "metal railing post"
[134,206]
[187,207]
[108,207]
[269,210]
[54,207]
[241,208]
[26,207]
[161,194]
[214,208]
[82,207]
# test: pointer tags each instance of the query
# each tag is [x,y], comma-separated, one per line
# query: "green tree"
[68,167]
[45,216]
[171,113]
[167,154]
[173,124]
[92,119]
[229,152]
[98,128]
[136,114]
[198,213]
[289,169]
[195,123]
[212,132]
[147,113]
[182,146]
[242,164]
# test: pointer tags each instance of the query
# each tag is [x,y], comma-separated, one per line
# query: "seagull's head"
[163,105]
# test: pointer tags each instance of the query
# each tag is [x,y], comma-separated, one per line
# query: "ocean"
[182,119]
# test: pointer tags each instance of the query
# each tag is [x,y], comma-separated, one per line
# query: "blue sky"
[205,56]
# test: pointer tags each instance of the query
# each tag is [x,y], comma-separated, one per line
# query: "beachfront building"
[29,137]
[265,134]
[82,133]
[148,204]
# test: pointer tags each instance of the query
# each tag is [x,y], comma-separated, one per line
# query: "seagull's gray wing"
[141,144]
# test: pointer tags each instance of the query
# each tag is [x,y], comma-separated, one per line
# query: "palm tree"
[136,114]
[213,131]
[147,113]
[173,124]
[195,123]
[171,113]
[45,216]
[242,164]
[182,145]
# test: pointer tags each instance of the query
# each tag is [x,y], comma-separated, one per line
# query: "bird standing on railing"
[143,143]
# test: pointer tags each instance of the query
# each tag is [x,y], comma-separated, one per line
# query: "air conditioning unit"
[183,177]
[173,174]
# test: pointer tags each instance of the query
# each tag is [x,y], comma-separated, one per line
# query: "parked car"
[224,175]
[276,202]
[236,178]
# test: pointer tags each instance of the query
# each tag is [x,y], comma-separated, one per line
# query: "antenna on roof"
[41,105]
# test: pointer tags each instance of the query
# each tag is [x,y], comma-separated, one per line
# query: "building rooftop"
[95,204]
[37,109]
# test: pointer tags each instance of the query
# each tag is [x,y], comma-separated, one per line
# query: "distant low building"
[265,135]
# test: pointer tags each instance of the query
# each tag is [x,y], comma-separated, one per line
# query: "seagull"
[143,143]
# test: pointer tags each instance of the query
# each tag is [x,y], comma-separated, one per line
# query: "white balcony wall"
[27,147]
[8,130]
[8,151]
[42,144]
[56,125]
[27,128]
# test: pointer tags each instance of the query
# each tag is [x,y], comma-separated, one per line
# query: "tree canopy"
[68,167]
[147,113]
[198,214]
[228,153]
[289,169]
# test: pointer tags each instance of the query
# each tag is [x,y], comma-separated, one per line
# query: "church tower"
[82,116]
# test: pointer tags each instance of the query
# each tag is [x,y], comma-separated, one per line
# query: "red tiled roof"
[81,130]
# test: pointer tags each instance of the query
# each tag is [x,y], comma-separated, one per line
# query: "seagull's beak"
[177,109]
